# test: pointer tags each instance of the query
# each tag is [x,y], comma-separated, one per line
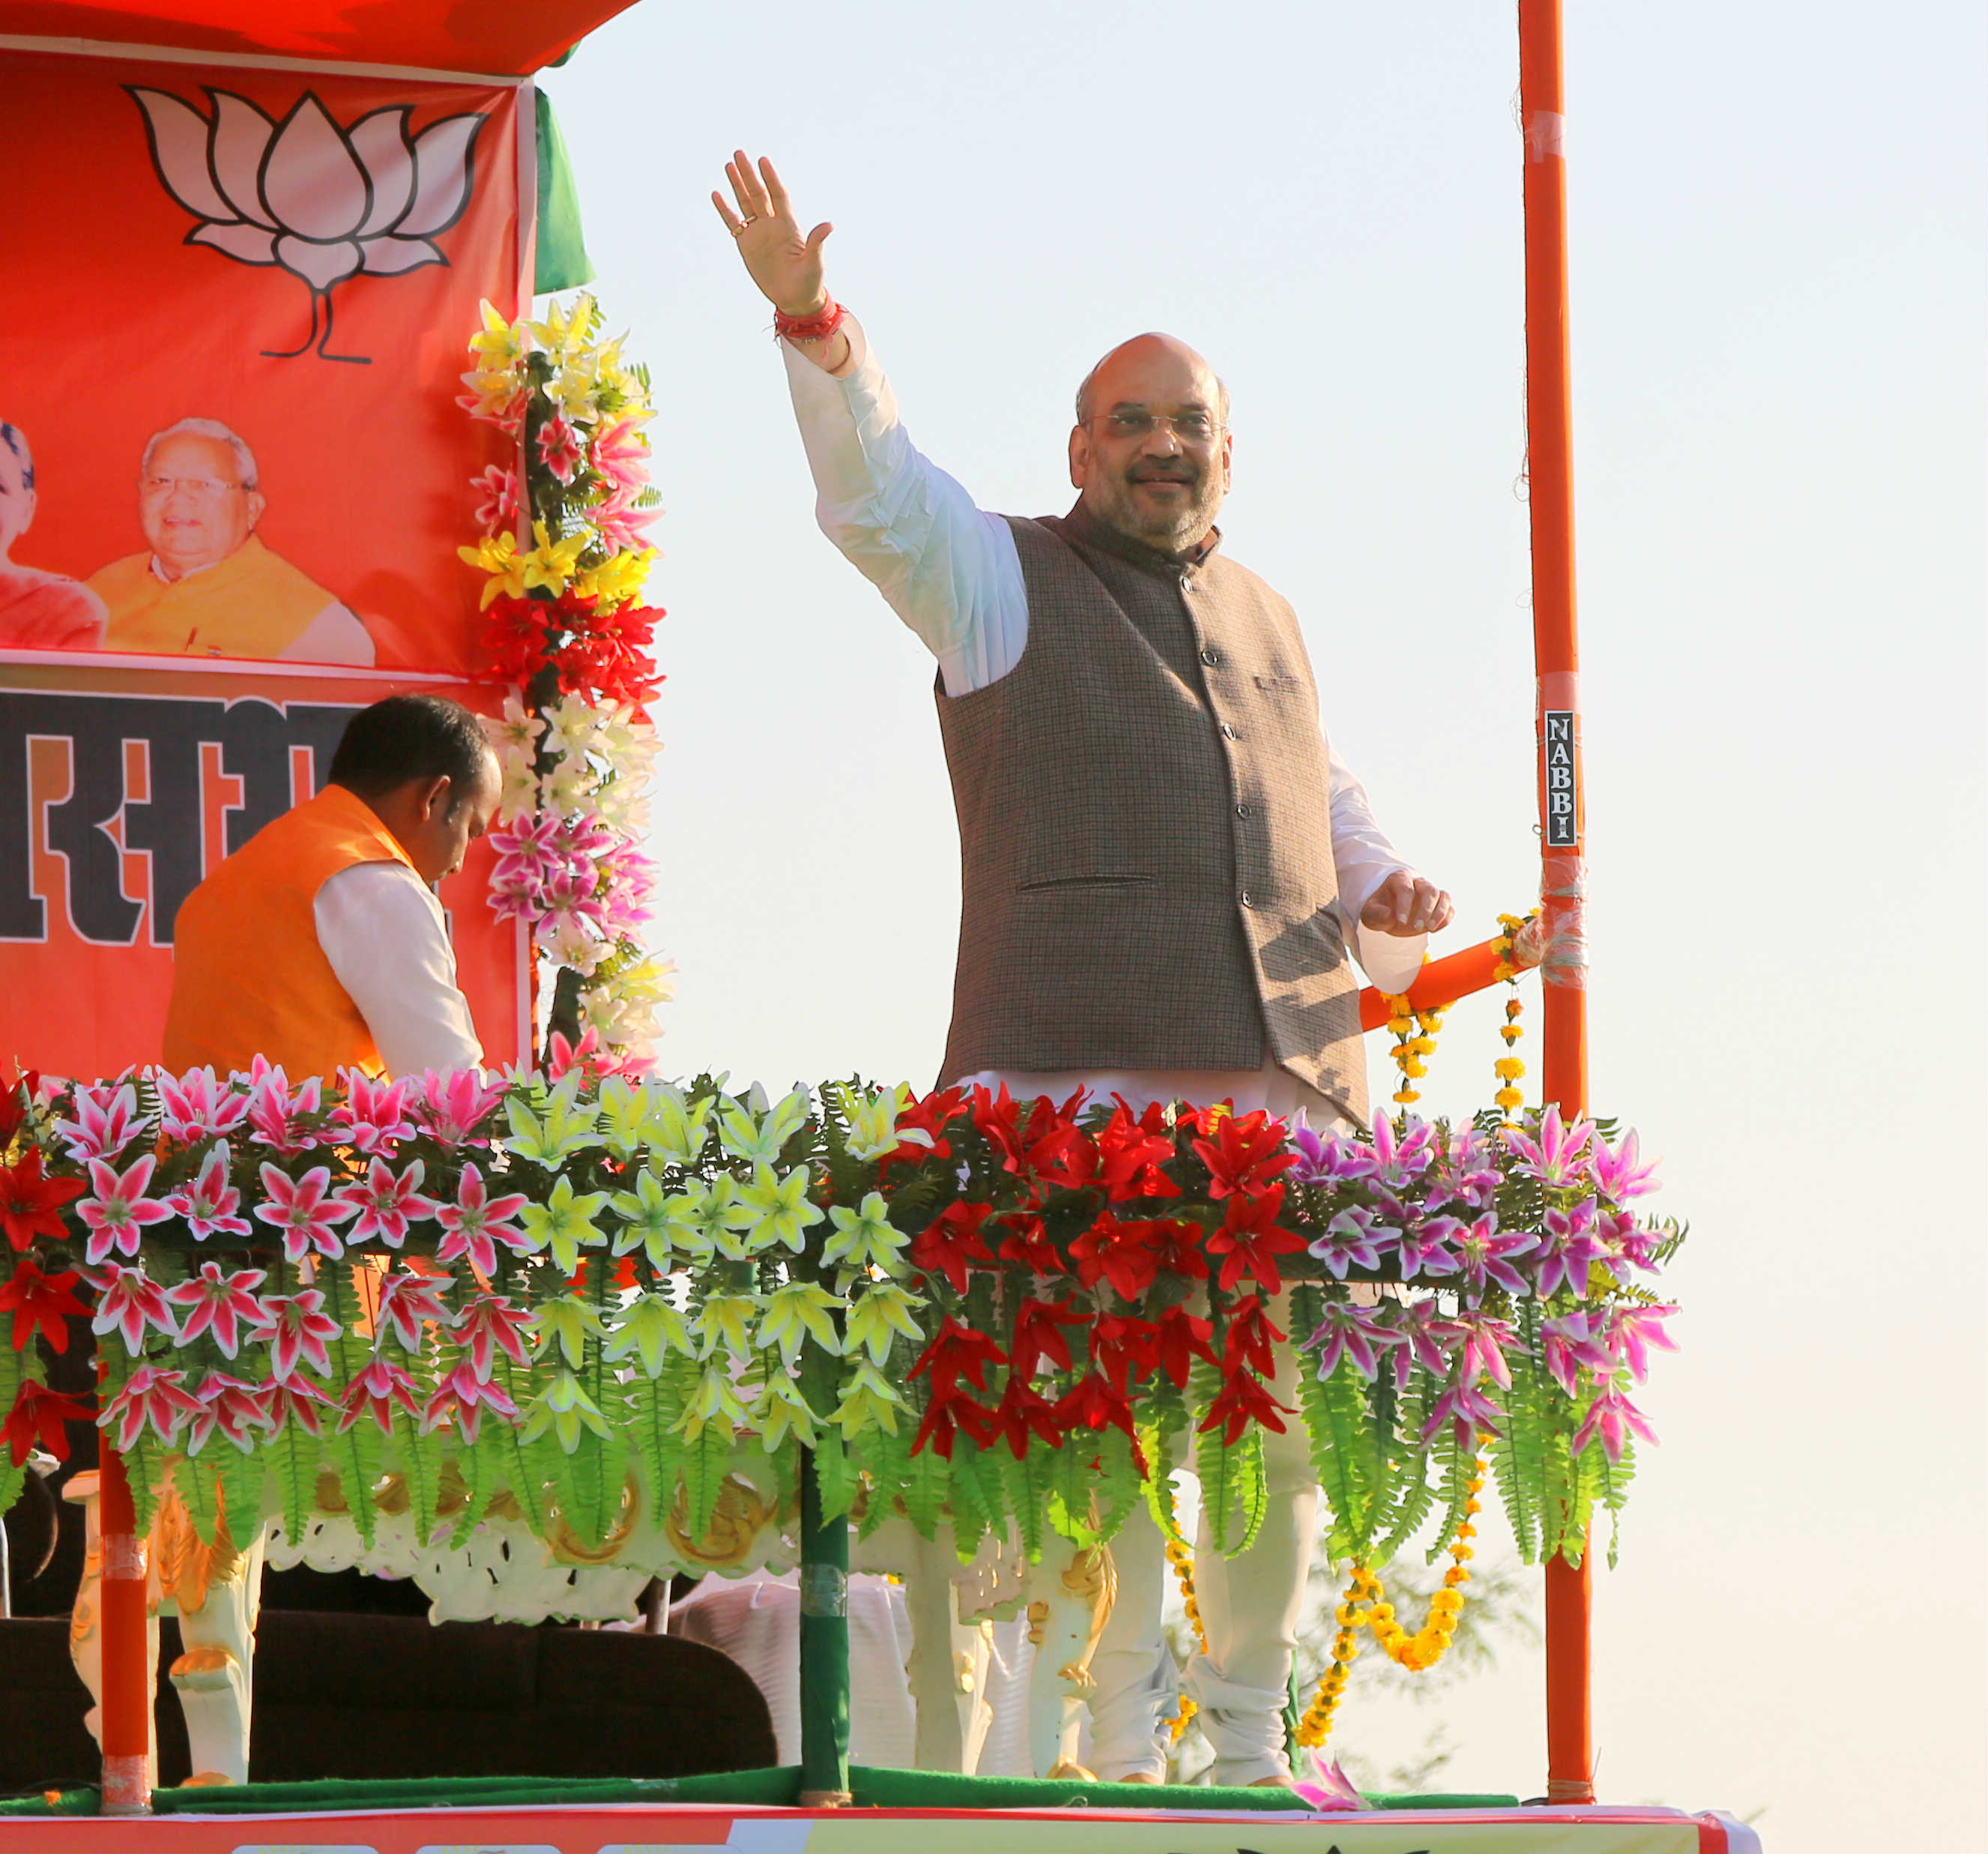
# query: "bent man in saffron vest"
[1163,862]
[320,943]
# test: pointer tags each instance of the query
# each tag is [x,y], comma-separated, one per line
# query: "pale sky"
[1778,271]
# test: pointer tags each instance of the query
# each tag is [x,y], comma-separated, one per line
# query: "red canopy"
[510,38]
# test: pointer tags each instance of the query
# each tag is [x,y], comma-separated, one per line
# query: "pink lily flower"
[1564,1252]
[1333,1790]
[234,1408]
[1633,1330]
[106,1121]
[1469,1177]
[1351,1334]
[129,1301]
[1467,1410]
[528,852]
[299,1208]
[386,1205]
[1400,1159]
[1484,1256]
[1422,1335]
[1426,1248]
[589,1055]
[476,1223]
[621,454]
[295,1400]
[298,1331]
[373,1115]
[197,1104]
[499,488]
[1553,1158]
[1352,1239]
[210,1204]
[151,1396]
[451,1108]
[1611,1416]
[375,1392]
[119,1211]
[224,1304]
[1481,1351]
[624,526]
[465,1396]
[406,1300]
[1630,1245]
[1326,1160]
[277,1114]
[490,1324]
[1621,1174]
[1569,1345]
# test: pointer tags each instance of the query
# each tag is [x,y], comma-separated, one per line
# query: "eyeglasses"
[207,489]
[1190,427]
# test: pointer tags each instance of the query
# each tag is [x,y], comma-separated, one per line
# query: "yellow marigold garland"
[1365,1606]
[1508,1067]
[1182,1558]
[1414,1034]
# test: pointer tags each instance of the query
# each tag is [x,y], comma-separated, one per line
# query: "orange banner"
[233,478]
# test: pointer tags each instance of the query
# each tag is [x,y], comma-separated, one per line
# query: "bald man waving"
[1163,863]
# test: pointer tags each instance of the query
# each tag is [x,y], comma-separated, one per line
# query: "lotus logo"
[324,203]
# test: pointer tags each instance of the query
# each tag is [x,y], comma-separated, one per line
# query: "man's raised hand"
[785,265]
[1405,906]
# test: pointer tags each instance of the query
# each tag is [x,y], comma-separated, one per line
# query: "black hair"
[16,440]
[410,737]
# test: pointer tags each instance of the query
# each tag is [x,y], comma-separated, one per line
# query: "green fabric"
[562,262]
[824,1697]
[66,1803]
[886,1789]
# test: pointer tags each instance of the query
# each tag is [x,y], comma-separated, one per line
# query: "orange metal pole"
[126,1716]
[1439,982]
[1562,822]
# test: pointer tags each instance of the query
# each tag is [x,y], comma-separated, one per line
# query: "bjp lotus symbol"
[322,202]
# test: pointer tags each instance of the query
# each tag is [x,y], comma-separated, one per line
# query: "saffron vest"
[249,977]
[1145,829]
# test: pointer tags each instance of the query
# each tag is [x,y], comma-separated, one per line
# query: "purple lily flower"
[1401,1159]
[1629,1243]
[1611,1416]
[1470,1176]
[1419,1333]
[1621,1174]
[1568,1345]
[1564,1252]
[1468,1411]
[1352,1241]
[1633,1330]
[1484,1256]
[1427,1248]
[1329,1160]
[1352,1333]
[1553,1158]
[1481,1353]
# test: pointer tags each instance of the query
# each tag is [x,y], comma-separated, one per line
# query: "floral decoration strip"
[972,1307]
[565,626]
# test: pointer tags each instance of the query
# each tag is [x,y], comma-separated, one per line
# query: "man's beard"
[1169,531]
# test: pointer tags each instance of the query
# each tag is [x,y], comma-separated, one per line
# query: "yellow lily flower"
[864,1237]
[714,1400]
[868,1399]
[498,555]
[780,1209]
[674,1128]
[561,1123]
[784,1411]
[651,1222]
[551,563]
[565,330]
[501,343]
[570,1322]
[653,1328]
[566,1409]
[884,1311]
[564,1223]
[617,581]
[725,1319]
[745,1137]
[873,1121]
[797,1313]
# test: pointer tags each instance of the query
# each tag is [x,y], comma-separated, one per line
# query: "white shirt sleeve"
[383,931]
[1364,859]
[949,570]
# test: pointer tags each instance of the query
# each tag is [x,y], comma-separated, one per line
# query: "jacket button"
[1245,900]
[1230,731]
[1187,584]
[1242,810]
[1211,655]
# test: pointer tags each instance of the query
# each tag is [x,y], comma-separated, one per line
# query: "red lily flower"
[1131,1152]
[1179,1336]
[30,1205]
[1122,1253]
[1245,1155]
[15,1096]
[1039,1335]
[1176,1245]
[1249,1338]
[1058,1153]
[995,1115]
[953,1241]
[957,1349]
[1092,1404]
[1022,1410]
[1027,1242]
[37,1418]
[43,1301]
[952,1414]
[1251,1239]
[932,1116]
[1241,1401]
[1120,1345]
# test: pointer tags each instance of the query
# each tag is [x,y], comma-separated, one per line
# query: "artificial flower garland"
[989,1310]
[564,626]
[1508,1067]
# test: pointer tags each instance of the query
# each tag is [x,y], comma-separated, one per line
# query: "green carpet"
[880,1789]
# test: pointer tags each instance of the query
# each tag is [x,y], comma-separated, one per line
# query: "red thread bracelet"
[817,327]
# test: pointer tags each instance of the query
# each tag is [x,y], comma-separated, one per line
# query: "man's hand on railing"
[1405,904]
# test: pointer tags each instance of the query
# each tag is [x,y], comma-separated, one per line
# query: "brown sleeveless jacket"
[1145,830]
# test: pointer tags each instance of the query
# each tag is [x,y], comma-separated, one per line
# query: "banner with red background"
[233,478]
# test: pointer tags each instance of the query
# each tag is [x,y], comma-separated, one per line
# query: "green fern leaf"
[705,1464]
[242,1479]
[928,1482]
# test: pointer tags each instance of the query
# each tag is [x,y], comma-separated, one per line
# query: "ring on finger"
[739,229]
